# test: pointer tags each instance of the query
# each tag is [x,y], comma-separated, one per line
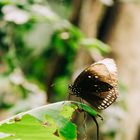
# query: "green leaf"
[60,87]
[66,129]
[49,122]
[27,128]
[67,111]
[96,45]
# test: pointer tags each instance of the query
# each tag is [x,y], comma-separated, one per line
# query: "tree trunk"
[90,17]
[123,36]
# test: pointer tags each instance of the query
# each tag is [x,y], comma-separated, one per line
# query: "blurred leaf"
[96,45]
[61,87]
[15,14]
[8,1]
[33,38]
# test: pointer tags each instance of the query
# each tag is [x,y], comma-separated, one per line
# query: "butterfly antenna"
[97,126]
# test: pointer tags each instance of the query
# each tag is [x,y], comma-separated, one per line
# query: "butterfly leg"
[96,126]
[85,126]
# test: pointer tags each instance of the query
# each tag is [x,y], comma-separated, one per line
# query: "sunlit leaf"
[51,122]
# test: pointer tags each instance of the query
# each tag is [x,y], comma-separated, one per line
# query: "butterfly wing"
[102,100]
[90,80]
[97,84]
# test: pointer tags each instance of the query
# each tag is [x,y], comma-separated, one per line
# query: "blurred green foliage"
[38,47]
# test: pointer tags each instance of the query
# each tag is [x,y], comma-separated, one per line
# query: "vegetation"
[39,49]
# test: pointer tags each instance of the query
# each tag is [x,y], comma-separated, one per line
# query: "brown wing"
[91,81]
[102,100]
[98,84]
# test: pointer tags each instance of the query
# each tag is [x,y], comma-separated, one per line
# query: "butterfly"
[97,84]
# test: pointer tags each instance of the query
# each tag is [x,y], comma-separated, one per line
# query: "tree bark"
[123,36]
[90,17]
[121,28]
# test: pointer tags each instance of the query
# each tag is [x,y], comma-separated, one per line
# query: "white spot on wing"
[96,76]
[89,76]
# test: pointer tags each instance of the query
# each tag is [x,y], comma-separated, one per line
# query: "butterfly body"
[97,84]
